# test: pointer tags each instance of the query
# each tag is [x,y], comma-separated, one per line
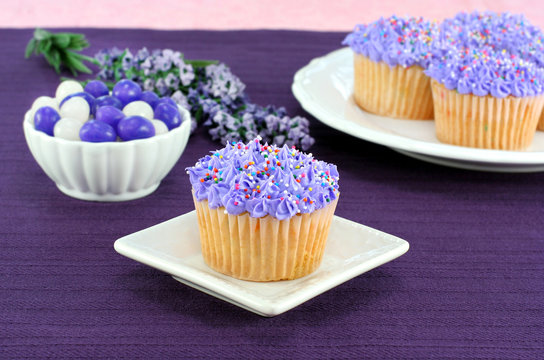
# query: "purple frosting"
[263,180]
[497,31]
[403,41]
[482,71]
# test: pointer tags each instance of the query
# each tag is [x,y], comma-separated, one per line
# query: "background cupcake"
[389,58]
[496,32]
[263,212]
[486,99]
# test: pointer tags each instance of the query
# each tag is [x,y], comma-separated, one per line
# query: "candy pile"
[92,114]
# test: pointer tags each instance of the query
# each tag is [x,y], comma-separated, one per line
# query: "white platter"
[174,247]
[324,89]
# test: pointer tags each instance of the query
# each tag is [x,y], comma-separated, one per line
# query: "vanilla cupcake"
[496,32]
[390,56]
[263,212]
[486,99]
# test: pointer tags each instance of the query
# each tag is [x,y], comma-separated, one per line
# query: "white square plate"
[174,247]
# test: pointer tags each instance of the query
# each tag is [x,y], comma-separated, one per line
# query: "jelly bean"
[97,88]
[45,119]
[88,97]
[67,87]
[160,127]
[109,114]
[68,129]
[135,127]
[108,100]
[127,91]
[97,131]
[140,108]
[169,114]
[75,108]
[150,97]
[167,100]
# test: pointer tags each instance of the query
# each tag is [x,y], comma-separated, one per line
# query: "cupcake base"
[397,92]
[263,249]
[485,121]
[540,126]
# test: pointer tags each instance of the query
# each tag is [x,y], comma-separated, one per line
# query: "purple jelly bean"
[45,119]
[108,100]
[150,97]
[97,131]
[127,91]
[109,114]
[97,88]
[167,100]
[169,115]
[135,127]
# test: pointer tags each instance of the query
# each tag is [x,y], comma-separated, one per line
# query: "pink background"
[339,15]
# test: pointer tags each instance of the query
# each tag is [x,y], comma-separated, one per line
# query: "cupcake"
[497,32]
[263,212]
[390,56]
[486,99]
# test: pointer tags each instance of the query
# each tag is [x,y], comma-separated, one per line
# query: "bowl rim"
[186,122]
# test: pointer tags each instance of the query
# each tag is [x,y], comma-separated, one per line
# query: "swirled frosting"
[496,31]
[481,71]
[263,180]
[403,41]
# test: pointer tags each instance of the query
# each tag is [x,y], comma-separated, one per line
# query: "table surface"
[469,287]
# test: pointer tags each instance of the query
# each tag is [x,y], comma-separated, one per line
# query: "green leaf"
[53,61]
[30,47]
[62,40]
[47,43]
[201,63]
[40,34]
[54,48]
[73,63]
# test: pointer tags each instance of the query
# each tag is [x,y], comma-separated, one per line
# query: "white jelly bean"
[75,108]
[140,108]
[160,127]
[67,87]
[45,101]
[67,128]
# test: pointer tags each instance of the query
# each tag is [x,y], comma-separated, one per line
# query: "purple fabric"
[470,287]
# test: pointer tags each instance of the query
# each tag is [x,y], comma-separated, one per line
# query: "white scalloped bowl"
[116,171]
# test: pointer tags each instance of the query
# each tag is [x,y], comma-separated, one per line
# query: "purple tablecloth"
[471,286]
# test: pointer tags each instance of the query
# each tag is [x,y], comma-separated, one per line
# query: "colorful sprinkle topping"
[247,182]
[403,41]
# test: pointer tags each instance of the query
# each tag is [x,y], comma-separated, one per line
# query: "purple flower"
[180,99]
[161,87]
[186,73]
[142,54]
[149,84]
[128,60]
[307,142]
[171,81]
[161,63]
[147,66]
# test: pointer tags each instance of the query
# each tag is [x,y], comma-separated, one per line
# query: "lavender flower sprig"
[215,96]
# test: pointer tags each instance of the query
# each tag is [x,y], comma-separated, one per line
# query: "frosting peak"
[263,180]
[403,41]
[482,71]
